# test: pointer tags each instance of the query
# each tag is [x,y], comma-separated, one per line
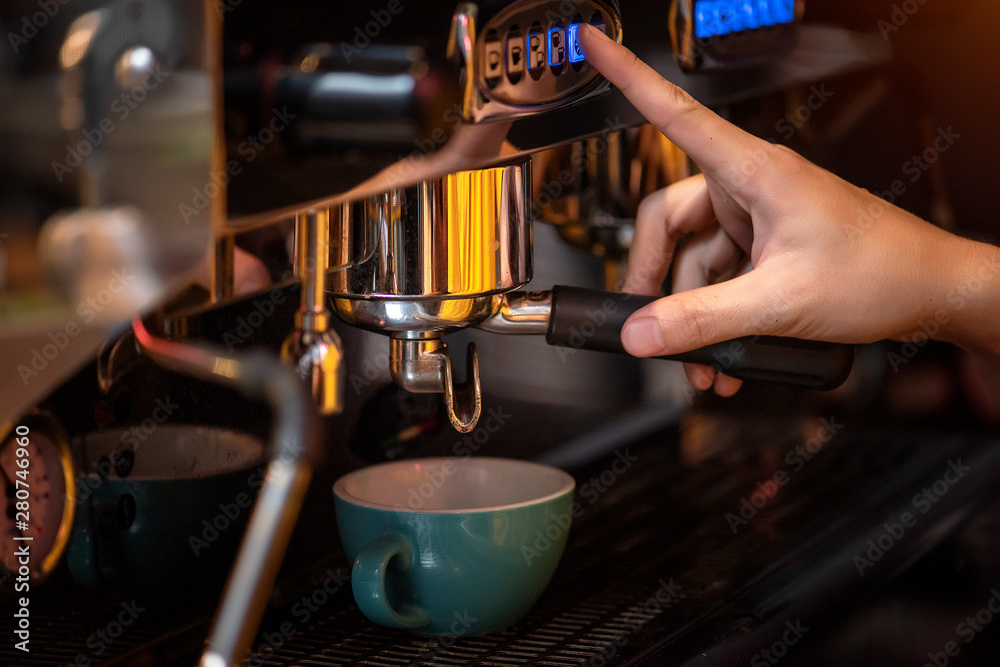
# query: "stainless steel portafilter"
[452,252]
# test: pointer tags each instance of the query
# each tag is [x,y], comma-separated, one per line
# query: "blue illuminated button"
[782,11]
[557,46]
[749,15]
[536,51]
[575,52]
[706,19]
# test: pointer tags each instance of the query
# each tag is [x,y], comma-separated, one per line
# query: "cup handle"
[368,582]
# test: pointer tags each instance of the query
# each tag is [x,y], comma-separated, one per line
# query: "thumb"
[712,314]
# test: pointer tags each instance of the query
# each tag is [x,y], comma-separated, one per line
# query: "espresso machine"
[242,243]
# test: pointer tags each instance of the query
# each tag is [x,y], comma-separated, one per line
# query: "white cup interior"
[452,484]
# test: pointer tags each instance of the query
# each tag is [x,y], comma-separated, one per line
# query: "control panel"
[732,33]
[527,57]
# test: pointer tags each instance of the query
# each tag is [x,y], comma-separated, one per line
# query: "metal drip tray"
[653,572]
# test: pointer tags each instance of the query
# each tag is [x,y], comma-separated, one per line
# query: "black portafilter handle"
[589,319]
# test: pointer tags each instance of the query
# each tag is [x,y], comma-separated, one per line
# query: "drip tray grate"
[653,571]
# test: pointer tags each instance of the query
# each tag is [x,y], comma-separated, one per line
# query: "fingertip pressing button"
[573,42]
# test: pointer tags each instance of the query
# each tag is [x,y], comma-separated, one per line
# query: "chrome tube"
[295,449]
[314,348]
[519,313]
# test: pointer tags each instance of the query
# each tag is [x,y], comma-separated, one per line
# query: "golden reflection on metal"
[592,189]
[54,557]
[309,63]
[342,233]
[681,27]
[223,268]
[78,38]
[226,368]
[313,348]
[605,177]
[473,210]
[116,357]
[459,235]
[461,41]
[655,163]
[472,202]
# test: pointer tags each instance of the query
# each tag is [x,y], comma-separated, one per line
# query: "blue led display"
[713,18]
[575,52]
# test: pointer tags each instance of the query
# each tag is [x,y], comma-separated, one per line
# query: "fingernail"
[704,377]
[642,337]
[586,28]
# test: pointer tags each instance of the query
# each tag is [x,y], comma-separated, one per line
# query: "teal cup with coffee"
[453,546]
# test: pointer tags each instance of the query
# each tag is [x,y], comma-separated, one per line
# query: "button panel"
[528,57]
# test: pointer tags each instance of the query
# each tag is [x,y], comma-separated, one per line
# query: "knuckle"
[634,65]
[647,208]
[690,323]
[784,152]
[757,161]
[682,99]
[681,104]
[779,314]
[759,166]
[784,159]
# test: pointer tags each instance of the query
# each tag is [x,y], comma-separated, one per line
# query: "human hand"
[829,261]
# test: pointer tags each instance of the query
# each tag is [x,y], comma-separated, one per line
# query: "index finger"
[707,138]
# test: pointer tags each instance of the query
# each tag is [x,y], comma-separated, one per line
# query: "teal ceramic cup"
[452,546]
[172,517]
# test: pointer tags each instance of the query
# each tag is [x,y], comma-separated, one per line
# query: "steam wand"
[295,449]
